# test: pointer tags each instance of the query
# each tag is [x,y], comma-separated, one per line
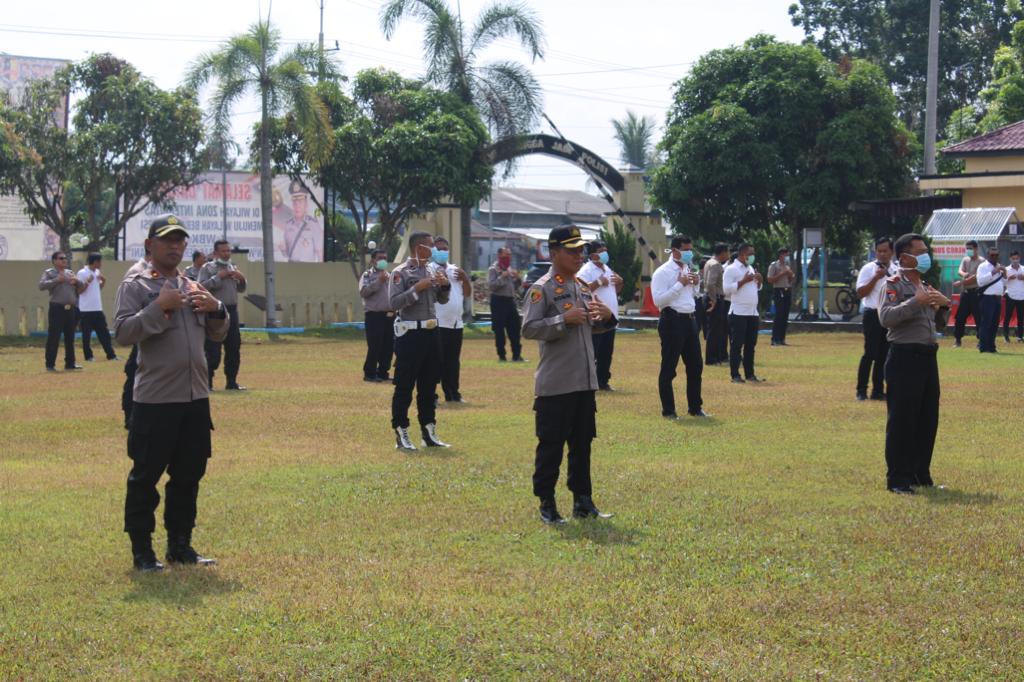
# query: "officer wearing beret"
[223,279]
[169,317]
[561,314]
[912,311]
[63,287]
[413,291]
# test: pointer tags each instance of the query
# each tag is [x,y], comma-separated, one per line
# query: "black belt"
[673,312]
[918,348]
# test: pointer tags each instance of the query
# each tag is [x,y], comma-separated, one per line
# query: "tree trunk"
[466,231]
[267,216]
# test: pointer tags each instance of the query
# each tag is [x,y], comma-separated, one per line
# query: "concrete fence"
[309,294]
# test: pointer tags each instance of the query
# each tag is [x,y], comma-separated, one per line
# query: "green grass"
[759,544]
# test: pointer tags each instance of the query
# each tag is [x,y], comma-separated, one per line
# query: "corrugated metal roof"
[961,224]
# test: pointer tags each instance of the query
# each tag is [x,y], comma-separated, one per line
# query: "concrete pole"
[931,96]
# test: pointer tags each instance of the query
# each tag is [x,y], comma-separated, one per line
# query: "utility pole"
[932,93]
[320,67]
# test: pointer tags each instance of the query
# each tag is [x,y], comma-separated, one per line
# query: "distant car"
[537,270]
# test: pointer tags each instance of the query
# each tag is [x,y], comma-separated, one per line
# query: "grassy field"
[759,544]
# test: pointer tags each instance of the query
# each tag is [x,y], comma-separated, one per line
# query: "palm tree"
[635,135]
[505,93]
[250,64]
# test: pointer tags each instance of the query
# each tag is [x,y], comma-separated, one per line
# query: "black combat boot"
[179,550]
[583,508]
[143,556]
[549,512]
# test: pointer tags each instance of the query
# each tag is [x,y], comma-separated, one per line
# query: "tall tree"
[893,34]
[400,146]
[635,135]
[772,133]
[252,63]
[129,144]
[505,92]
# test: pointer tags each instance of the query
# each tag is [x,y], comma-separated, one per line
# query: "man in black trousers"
[503,281]
[62,285]
[968,306]
[717,307]
[870,288]
[378,318]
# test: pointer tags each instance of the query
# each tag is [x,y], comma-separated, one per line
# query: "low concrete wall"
[310,294]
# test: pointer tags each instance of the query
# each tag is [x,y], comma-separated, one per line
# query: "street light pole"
[932,92]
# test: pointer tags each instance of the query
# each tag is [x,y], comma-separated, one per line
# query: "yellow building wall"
[993,164]
[993,197]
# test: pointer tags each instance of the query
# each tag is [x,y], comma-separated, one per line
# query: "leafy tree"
[773,133]
[252,63]
[506,94]
[894,35]
[635,135]
[129,142]
[622,256]
[399,147]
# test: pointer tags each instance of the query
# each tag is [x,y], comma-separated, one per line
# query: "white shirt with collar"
[873,301]
[1015,286]
[987,273]
[668,292]
[593,272]
[743,299]
[449,315]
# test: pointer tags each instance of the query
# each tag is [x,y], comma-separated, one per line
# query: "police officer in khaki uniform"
[168,316]
[782,278]
[412,292]
[378,318]
[503,280]
[63,287]
[223,279]
[561,314]
[198,261]
[131,365]
[912,311]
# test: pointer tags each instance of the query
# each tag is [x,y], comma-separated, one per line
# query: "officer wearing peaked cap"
[561,314]
[413,291]
[169,317]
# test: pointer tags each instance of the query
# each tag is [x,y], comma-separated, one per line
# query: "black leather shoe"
[753,379]
[71,368]
[606,387]
[371,380]
[861,395]
[519,359]
[234,386]
[51,369]
[179,551]
[699,413]
[877,396]
[583,508]
[549,513]
[738,380]
[671,417]
[902,490]
[384,377]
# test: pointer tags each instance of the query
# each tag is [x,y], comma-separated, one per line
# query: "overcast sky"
[602,57]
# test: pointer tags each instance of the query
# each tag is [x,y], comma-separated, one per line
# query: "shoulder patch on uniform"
[891,295]
[397,277]
[536,294]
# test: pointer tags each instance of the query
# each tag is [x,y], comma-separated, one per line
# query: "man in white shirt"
[90,303]
[1014,284]
[672,288]
[449,321]
[990,288]
[741,284]
[870,289]
[605,284]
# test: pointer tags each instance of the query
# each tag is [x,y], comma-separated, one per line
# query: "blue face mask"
[438,256]
[687,257]
[382,264]
[924,263]
[603,257]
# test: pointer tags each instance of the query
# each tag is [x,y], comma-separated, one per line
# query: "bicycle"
[846,300]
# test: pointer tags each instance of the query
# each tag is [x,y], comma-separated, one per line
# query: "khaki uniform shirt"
[566,352]
[141,266]
[226,290]
[172,361]
[970,266]
[375,292]
[713,272]
[502,286]
[192,272]
[783,282]
[61,293]
[907,320]
[410,304]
